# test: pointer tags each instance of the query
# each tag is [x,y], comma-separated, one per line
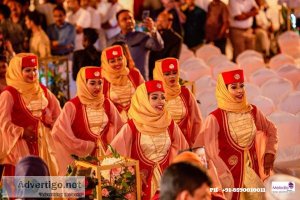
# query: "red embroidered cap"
[169,64]
[113,52]
[93,73]
[154,86]
[29,61]
[235,76]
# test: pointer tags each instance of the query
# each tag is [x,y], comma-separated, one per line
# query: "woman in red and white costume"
[150,135]
[27,113]
[120,82]
[88,122]
[181,103]
[238,138]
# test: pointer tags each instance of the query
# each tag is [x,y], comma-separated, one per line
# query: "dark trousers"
[1,171]
[221,44]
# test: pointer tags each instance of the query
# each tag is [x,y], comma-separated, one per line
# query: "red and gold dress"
[23,105]
[86,125]
[236,137]
[119,85]
[152,138]
[181,103]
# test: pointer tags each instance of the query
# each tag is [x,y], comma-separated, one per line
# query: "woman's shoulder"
[7,92]
[75,101]
[136,76]
[134,71]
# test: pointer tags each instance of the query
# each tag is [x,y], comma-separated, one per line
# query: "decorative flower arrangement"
[90,181]
[116,183]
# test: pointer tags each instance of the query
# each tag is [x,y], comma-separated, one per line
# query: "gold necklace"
[174,104]
[250,134]
[163,147]
[37,112]
[127,89]
[93,115]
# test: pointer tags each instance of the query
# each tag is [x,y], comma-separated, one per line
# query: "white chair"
[248,54]
[252,91]
[298,87]
[222,67]
[276,89]
[203,83]
[261,76]
[281,59]
[291,103]
[217,59]
[289,43]
[288,37]
[250,65]
[297,60]
[288,128]
[193,68]
[185,54]
[264,104]
[208,101]
[207,51]
[290,72]
[293,51]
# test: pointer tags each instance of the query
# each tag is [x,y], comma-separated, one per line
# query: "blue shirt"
[65,35]
[140,44]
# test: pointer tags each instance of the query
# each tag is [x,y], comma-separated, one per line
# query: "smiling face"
[94,86]
[171,77]
[237,91]
[157,100]
[116,63]
[30,74]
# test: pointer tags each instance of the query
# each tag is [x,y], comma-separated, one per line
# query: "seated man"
[182,181]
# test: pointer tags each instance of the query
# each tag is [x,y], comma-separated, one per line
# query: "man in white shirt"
[241,21]
[95,23]
[110,23]
[102,8]
[262,27]
[80,18]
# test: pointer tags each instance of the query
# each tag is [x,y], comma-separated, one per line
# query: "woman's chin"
[117,68]
[96,94]
[172,84]
[159,110]
[239,100]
